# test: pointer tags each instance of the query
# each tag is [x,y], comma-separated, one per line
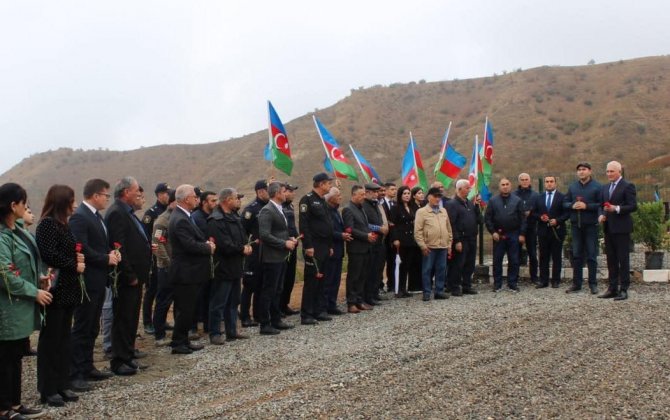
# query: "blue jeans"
[434,262]
[224,296]
[584,247]
[509,246]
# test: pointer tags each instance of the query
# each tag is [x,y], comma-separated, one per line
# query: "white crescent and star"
[279,143]
[335,153]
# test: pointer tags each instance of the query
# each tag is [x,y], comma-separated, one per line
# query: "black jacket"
[273,232]
[355,219]
[88,230]
[230,237]
[338,228]
[556,211]
[374,215]
[315,223]
[591,194]
[624,196]
[403,230]
[465,218]
[190,252]
[529,199]
[123,227]
[506,214]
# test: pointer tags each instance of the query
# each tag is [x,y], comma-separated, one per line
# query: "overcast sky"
[125,74]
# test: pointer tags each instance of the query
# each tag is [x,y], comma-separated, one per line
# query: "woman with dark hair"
[402,236]
[19,293]
[418,198]
[58,248]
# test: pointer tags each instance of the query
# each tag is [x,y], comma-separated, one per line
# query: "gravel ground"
[537,354]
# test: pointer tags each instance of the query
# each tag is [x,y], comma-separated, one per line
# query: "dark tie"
[138,224]
[612,185]
[102,222]
[549,199]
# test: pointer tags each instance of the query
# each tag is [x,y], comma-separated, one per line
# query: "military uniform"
[151,287]
[252,268]
[316,227]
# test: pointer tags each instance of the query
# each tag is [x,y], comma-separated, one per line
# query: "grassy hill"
[545,120]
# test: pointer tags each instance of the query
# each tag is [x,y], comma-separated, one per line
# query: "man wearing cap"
[289,276]
[162,195]
[225,227]
[163,255]
[251,281]
[316,229]
[506,221]
[380,228]
[432,232]
[583,200]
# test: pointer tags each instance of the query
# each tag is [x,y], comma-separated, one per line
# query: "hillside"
[545,120]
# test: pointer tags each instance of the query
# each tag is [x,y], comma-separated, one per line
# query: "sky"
[121,74]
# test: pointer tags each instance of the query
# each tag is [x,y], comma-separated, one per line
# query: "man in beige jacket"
[432,232]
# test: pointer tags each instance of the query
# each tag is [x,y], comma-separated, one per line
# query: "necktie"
[549,193]
[612,185]
[102,222]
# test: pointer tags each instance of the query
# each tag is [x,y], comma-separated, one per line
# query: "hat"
[261,184]
[162,187]
[240,195]
[291,187]
[372,187]
[197,191]
[584,164]
[435,191]
[320,177]
[171,195]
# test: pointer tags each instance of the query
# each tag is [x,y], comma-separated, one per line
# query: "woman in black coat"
[402,236]
[57,247]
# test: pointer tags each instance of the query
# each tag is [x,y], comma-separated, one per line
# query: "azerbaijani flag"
[450,163]
[277,150]
[368,171]
[487,152]
[338,162]
[412,167]
[476,176]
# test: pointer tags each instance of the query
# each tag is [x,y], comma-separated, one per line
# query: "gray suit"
[273,233]
[358,251]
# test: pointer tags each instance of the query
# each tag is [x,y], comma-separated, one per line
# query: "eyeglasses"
[105,194]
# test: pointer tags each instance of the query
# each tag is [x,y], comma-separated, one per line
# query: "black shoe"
[124,370]
[139,354]
[335,312]
[149,329]
[514,289]
[108,355]
[288,311]
[68,395]
[324,317]
[97,375]
[27,412]
[594,289]
[236,337]
[181,350]
[623,295]
[457,292]
[609,294]
[441,296]
[573,289]
[309,321]
[137,366]
[54,400]
[426,297]
[542,286]
[554,285]
[281,325]
[469,292]
[80,385]
[269,330]
[246,323]
[195,346]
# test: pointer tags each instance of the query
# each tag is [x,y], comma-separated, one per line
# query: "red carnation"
[162,239]
[212,240]
[544,217]
[12,266]
[117,245]
[607,204]
[579,198]
[17,273]
[77,247]
[348,230]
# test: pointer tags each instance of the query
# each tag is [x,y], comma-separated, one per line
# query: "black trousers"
[164,298]
[202,305]
[84,333]
[376,263]
[551,247]
[531,250]
[126,308]
[461,266]
[224,298]
[185,303]
[251,286]
[150,294]
[53,351]
[331,282]
[410,268]
[313,300]
[389,255]
[273,281]
[289,280]
[357,274]
[11,353]
[617,248]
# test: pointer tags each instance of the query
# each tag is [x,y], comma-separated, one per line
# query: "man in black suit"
[89,229]
[465,218]
[126,230]
[388,202]
[377,259]
[358,250]
[619,201]
[551,216]
[190,266]
[275,247]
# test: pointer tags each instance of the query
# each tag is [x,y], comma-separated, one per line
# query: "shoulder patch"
[147,219]
[247,215]
[303,208]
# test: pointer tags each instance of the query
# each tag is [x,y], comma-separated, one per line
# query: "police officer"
[162,192]
[289,276]
[252,269]
[316,227]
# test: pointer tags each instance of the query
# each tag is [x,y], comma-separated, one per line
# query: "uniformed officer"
[252,268]
[162,192]
[316,228]
[289,276]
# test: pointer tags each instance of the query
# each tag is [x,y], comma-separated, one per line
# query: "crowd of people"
[216,264]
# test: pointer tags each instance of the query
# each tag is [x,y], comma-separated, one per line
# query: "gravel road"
[537,354]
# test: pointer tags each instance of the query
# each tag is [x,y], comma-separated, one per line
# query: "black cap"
[171,195]
[261,184]
[434,191]
[162,187]
[320,177]
[584,164]
[372,187]
[240,195]
[291,187]
[197,191]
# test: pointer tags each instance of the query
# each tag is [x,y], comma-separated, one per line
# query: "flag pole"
[270,141]
[360,167]
[325,149]
[443,149]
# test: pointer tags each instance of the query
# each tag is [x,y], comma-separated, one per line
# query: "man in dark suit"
[358,250]
[190,266]
[89,229]
[333,270]
[619,201]
[465,218]
[275,247]
[551,216]
[388,202]
[126,230]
